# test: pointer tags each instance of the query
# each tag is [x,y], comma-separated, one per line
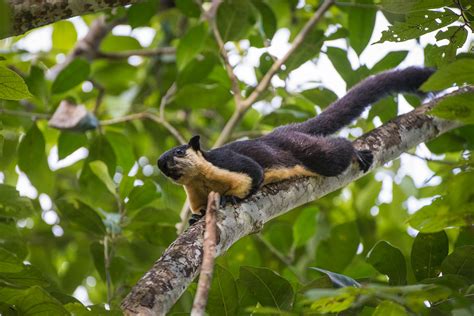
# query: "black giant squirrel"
[238,169]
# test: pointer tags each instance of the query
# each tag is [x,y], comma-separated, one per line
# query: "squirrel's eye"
[180,152]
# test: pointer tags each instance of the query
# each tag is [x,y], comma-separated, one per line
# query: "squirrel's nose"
[162,164]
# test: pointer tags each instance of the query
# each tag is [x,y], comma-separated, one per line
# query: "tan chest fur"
[211,178]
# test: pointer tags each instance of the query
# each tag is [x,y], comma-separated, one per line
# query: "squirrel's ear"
[194,143]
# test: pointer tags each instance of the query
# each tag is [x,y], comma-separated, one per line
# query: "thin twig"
[139,52]
[263,84]
[33,115]
[100,96]
[108,278]
[209,253]
[165,99]
[150,116]
[444,162]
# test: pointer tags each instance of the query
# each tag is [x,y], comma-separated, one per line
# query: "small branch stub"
[209,248]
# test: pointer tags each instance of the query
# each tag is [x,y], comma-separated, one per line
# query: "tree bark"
[30,14]
[169,277]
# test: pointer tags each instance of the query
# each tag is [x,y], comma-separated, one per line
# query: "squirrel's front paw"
[229,199]
[196,217]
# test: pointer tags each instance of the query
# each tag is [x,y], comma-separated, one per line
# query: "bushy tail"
[342,112]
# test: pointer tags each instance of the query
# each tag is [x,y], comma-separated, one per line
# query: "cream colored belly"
[280,174]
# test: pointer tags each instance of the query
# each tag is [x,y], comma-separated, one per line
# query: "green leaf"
[458,107]
[305,226]
[386,109]
[13,272]
[417,24]
[456,35]
[12,205]
[320,96]
[99,168]
[191,44]
[391,60]
[123,150]
[140,14]
[64,35]
[69,142]
[459,72]
[427,253]
[460,262]
[32,160]
[82,215]
[114,43]
[234,19]
[389,308]
[268,20]
[338,302]
[32,301]
[142,195]
[202,96]
[336,251]
[309,49]
[197,69]
[338,280]
[389,260]
[269,288]
[189,8]
[223,294]
[361,24]
[72,75]
[437,216]
[12,86]
[405,6]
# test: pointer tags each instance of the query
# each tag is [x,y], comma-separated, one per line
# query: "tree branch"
[263,84]
[30,14]
[164,283]
[205,277]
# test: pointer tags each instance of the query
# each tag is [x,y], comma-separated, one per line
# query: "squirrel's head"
[180,163]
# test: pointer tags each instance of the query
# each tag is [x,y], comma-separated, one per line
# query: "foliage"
[97,219]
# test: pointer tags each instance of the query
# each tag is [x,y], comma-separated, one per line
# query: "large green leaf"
[32,160]
[191,44]
[389,260]
[69,142]
[13,272]
[427,253]
[269,288]
[336,252]
[83,216]
[309,49]
[142,195]
[114,43]
[391,60]
[438,216]
[268,20]
[304,226]
[72,75]
[33,301]
[123,150]
[458,107]
[234,19]
[64,35]
[417,24]
[460,262]
[12,86]
[459,72]
[389,308]
[11,204]
[100,170]
[223,294]
[202,96]
[405,6]
[361,24]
